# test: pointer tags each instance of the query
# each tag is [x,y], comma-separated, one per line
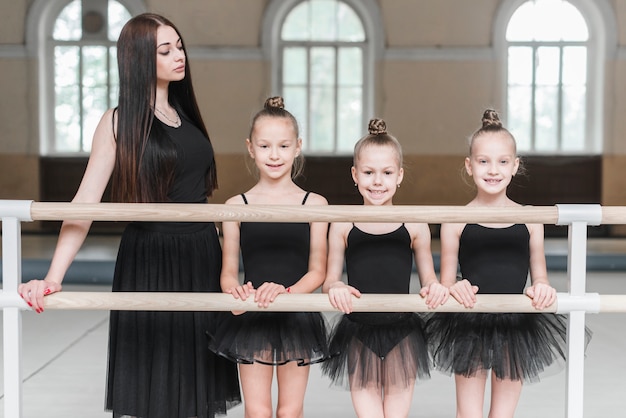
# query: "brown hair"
[378,135]
[145,154]
[274,107]
[491,123]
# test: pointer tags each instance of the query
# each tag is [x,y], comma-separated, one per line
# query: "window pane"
[349,120]
[296,26]
[535,21]
[95,90]
[350,66]
[295,66]
[322,128]
[520,67]
[68,26]
[519,120]
[350,27]
[323,66]
[574,118]
[67,99]
[118,16]
[546,118]
[296,103]
[323,20]
[575,65]
[113,77]
[548,66]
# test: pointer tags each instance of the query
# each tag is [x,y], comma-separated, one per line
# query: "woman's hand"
[435,294]
[542,295]
[464,293]
[34,291]
[340,296]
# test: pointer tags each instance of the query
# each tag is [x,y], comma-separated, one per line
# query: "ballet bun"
[275,102]
[491,119]
[377,127]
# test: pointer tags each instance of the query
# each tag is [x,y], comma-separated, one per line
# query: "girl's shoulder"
[315,199]
[236,200]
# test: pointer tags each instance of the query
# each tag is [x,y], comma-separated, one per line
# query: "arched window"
[554,74]
[323,53]
[76,48]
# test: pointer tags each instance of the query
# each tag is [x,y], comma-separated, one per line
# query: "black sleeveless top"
[379,263]
[275,251]
[194,158]
[497,260]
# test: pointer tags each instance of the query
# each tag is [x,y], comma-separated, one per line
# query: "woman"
[155,148]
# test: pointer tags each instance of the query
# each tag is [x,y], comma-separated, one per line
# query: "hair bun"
[491,118]
[275,102]
[377,127]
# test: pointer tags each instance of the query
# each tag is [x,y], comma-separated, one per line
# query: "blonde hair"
[378,135]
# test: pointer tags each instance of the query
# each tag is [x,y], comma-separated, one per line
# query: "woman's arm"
[73,233]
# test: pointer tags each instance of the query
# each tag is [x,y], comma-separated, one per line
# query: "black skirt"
[159,363]
[514,346]
[378,349]
[272,338]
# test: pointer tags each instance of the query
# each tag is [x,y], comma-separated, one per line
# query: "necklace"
[175,123]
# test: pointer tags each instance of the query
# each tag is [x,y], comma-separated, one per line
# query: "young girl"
[278,258]
[154,148]
[494,258]
[379,354]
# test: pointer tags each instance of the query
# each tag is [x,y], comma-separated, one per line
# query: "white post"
[12,213]
[578,217]
[12,317]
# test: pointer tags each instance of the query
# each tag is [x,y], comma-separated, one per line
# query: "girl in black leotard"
[278,258]
[380,355]
[494,258]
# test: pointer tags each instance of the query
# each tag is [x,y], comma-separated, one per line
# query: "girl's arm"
[435,293]
[339,293]
[73,233]
[540,291]
[268,291]
[229,277]
[462,291]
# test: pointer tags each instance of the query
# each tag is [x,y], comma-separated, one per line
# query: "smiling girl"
[278,258]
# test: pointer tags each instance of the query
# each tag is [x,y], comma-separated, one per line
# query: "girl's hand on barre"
[542,295]
[340,296]
[435,294]
[267,292]
[464,293]
[34,291]
[242,291]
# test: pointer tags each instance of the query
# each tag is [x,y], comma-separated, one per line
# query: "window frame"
[602,42]
[40,45]
[368,12]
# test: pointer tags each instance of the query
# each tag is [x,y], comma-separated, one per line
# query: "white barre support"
[12,316]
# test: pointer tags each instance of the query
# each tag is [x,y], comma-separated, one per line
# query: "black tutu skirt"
[514,346]
[272,338]
[159,364]
[378,349]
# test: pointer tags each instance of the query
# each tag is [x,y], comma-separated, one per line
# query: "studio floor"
[64,358]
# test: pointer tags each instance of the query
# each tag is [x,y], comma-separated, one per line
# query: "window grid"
[311,129]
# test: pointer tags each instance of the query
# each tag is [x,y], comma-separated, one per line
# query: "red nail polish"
[30,304]
[46,292]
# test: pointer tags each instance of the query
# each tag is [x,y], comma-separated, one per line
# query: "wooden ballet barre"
[180,301]
[176,212]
